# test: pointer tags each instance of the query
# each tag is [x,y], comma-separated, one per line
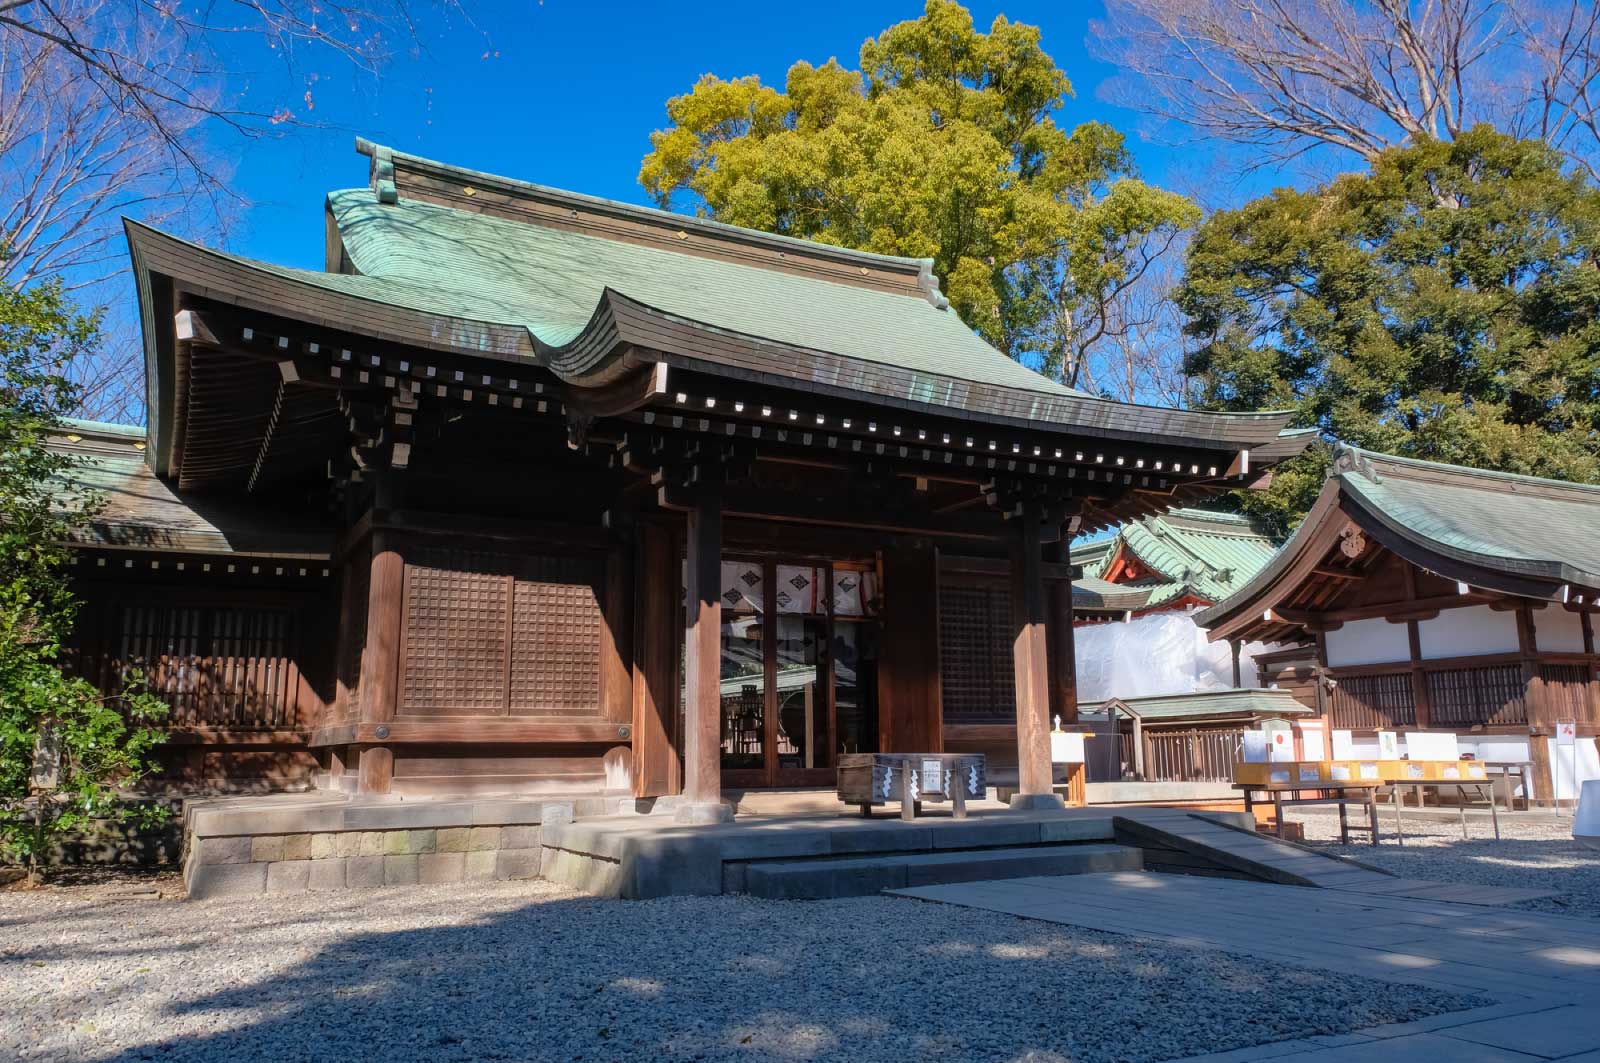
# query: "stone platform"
[640,857]
[288,843]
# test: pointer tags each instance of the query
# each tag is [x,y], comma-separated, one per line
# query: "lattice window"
[975,636]
[223,667]
[1468,696]
[455,634]
[1566,691]
[1373,702]
[555,642]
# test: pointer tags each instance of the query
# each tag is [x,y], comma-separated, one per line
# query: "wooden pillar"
[380,665]
[1063,652]
[1540,725]
[1234,646]
[1420,697]
[702,663]
[656,771]
[1031,666]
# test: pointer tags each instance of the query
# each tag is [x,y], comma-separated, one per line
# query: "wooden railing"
[1192,755]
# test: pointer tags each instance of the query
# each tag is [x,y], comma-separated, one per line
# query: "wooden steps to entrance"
[822,878]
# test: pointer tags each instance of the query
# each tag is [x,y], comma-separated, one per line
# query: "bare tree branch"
[1286,76]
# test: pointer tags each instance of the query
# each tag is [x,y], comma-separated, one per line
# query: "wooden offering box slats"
[875,778]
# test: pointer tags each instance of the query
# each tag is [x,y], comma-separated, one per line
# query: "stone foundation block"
[288,876]
[453,839]
[363,871]
[225,850]
[297,847]
[227,880]
[372,843]
[400,870]
[396,842]
[348,843]
[483,839]
[516,864]
[266,849]
[326,874]
[324,846]
[422,841]
[436,868]
[480,865]
[524,837]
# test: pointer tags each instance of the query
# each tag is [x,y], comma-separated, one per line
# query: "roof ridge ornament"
[381,174]
[1350,459]
[928,281]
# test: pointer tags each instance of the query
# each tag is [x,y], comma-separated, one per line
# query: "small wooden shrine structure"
[529,491]
[1432,597]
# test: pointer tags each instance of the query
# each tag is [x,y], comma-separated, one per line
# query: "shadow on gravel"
[732,979]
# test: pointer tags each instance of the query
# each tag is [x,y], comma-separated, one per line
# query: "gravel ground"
[1529,855]
[529,971]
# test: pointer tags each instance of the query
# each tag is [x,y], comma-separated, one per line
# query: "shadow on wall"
[581,979]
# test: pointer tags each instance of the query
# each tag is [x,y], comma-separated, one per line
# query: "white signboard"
[1344,747]
[1280,741]
[1425,745]
[1066,747]
[1254,747]
[1566,732]
[1388,745]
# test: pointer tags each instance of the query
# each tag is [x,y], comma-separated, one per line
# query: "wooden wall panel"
[909,694]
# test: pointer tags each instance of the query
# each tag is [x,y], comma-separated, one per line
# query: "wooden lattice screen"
[975,654]
[494,634]
[1468,696]
[1370,702]
[1566,691]
[215,667]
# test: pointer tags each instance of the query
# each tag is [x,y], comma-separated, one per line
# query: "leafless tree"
[1286,76]
[1140,356]
[126,107]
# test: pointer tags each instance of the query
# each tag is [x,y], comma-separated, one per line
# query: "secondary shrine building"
[535,492]
[1426,597]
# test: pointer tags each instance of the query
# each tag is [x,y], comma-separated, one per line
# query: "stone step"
[823,878]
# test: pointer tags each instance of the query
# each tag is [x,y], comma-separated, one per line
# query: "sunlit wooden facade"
[531,492]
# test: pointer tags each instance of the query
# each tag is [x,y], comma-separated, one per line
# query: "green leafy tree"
[942,145]
[1445,306]
[65,748]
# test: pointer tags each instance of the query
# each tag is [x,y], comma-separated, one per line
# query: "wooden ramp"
[1201,844]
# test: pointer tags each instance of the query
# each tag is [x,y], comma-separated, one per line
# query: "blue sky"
[576,88]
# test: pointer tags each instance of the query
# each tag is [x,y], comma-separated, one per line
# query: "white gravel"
[1536,854]
[528,971]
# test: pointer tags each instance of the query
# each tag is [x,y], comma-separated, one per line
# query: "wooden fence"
[1191,755]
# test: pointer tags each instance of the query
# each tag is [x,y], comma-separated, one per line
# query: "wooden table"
[1523,770]
[1366,789]
[1461,791]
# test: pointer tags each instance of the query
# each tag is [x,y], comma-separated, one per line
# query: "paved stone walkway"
[1542,971]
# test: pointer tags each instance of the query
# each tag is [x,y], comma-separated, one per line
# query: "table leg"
[1372,814]
[1344,825]
[1461,799]
[1277,811]
[1494,813]
[1394,799]
[908,807]
[958,800]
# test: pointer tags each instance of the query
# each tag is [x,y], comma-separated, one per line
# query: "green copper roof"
[551,279]
[1189,552]
[1253,702]
[142,512]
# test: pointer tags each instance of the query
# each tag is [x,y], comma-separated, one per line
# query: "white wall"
[1373,641]
[1468,632]
[1163,653]
[1555,630]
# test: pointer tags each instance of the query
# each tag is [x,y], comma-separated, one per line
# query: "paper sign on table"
[1254,747]
[1388,745]
[1344,746]
[1430,745]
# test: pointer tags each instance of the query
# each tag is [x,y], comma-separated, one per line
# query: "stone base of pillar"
[1036,802]
[701,812]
